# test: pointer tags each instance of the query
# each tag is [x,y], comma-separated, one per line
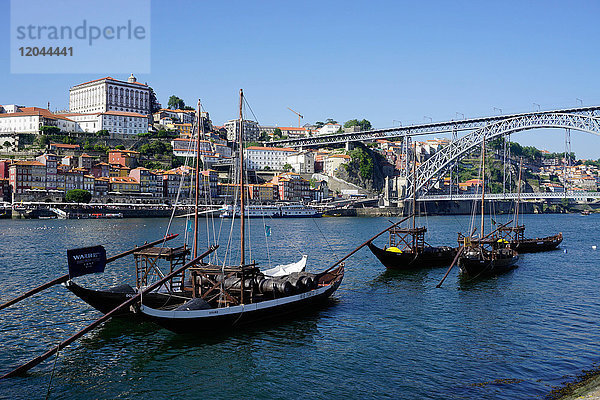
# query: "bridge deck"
[512,196]
[419,129]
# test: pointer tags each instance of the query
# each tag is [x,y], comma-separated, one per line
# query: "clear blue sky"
[380,60]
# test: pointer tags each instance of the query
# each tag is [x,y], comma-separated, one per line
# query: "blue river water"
[383,335]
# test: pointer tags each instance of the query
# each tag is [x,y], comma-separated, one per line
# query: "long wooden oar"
[65,278]
[458,253]
[26,367]
[364,244]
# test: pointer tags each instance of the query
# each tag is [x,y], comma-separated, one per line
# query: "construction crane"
[299,116]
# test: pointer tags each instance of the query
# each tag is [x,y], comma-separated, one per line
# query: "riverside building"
[110,94]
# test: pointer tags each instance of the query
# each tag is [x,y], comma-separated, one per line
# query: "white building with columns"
[109,94]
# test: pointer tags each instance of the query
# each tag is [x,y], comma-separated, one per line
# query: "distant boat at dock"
[272,211]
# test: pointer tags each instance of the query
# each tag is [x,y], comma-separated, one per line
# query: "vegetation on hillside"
[78,196]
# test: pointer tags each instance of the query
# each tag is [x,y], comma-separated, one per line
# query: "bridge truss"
[420,129]
[432,169]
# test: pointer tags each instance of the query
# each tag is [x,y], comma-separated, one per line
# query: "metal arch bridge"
[432,168]
[514,196]
[421,129]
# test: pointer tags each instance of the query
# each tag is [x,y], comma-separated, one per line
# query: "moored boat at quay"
[272,211]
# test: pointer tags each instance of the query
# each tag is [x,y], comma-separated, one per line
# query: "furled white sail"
[286,269]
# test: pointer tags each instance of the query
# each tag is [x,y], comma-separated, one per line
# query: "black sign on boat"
[86,260]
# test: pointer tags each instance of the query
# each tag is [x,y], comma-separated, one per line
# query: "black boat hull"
[432,257]
[220,319]
[537,245]
[476,267]
[105,301]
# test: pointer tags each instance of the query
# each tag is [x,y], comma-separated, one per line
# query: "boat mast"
[519,193]
[197,172]
[242,194]
[414,196]
[482,184]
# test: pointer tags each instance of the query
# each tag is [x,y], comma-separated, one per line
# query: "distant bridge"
[513,196]
[420,129]
[585,119]
[433,168]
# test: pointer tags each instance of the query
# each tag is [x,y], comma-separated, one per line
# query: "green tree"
[364,124]
[163,133]
[101,147]
[153,165]
[175,103]
[287,167]
[78,196]
[103,132]
[43,140]
[120,147]
[277,134]
[364,161]
[263,136]
[155,148]
[330,121]
[319,124]
[154,104]
[49,130]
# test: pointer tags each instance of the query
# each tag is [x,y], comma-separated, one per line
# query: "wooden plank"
[364,244]
[458,253]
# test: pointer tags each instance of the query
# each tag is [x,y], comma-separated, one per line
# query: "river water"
[384,335]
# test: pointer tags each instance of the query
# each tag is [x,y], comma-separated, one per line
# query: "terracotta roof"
[75,114]
[123,113]
[123,179]
[108,78]
[177,110]
[124,151]
[33,111]
[339,156]
[28,163]
[291,128]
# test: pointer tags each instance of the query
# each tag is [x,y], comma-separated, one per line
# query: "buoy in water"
[594,247]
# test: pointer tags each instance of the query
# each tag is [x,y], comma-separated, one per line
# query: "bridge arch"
[439,163]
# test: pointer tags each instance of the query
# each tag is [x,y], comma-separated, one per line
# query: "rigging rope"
[52,374]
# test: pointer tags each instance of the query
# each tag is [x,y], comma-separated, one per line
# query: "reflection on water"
[385,334]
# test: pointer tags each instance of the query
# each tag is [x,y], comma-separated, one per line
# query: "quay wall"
[450,207]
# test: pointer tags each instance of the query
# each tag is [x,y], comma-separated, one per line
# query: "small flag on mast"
[267,230]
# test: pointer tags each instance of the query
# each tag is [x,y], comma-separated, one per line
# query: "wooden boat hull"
[476,267]
[537,245]
[218,319]
[105,301]
[433,257]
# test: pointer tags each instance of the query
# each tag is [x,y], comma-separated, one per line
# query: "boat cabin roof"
[163,252]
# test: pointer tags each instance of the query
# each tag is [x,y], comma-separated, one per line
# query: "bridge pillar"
[349,146]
